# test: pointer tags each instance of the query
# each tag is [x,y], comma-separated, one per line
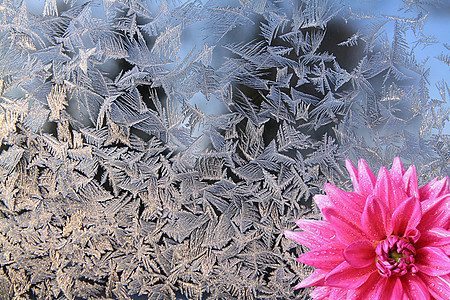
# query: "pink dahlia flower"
[386,240]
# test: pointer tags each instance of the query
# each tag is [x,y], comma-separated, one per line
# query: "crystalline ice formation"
[162,148]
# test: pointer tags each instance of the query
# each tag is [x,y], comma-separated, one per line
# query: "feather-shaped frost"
[162,148]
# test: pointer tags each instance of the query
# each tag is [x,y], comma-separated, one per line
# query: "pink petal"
[323,201]
[391,194]
[397,170]
[406,216]
[426,190]
[434,189]
[439,286]
[412,235]
[360,254]
[317,227]
[345,200]
[436,213]
[390,289]
[432,261]
[353,175]
[321,293]
[316,233]
[317,278]
[328,293]
[414,287]
[366,179]
[347,231]
[303,238]
[306,238]
[337,201]
[338,293]
[410,183]
[376,219]
[435,237]
[345,276]
[326,257]
[368,290]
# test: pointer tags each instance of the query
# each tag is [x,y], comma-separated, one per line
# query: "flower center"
[395,257]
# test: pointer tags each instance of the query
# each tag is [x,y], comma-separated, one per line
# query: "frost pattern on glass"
[115,180]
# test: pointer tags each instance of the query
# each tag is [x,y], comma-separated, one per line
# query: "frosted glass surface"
[159,149]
